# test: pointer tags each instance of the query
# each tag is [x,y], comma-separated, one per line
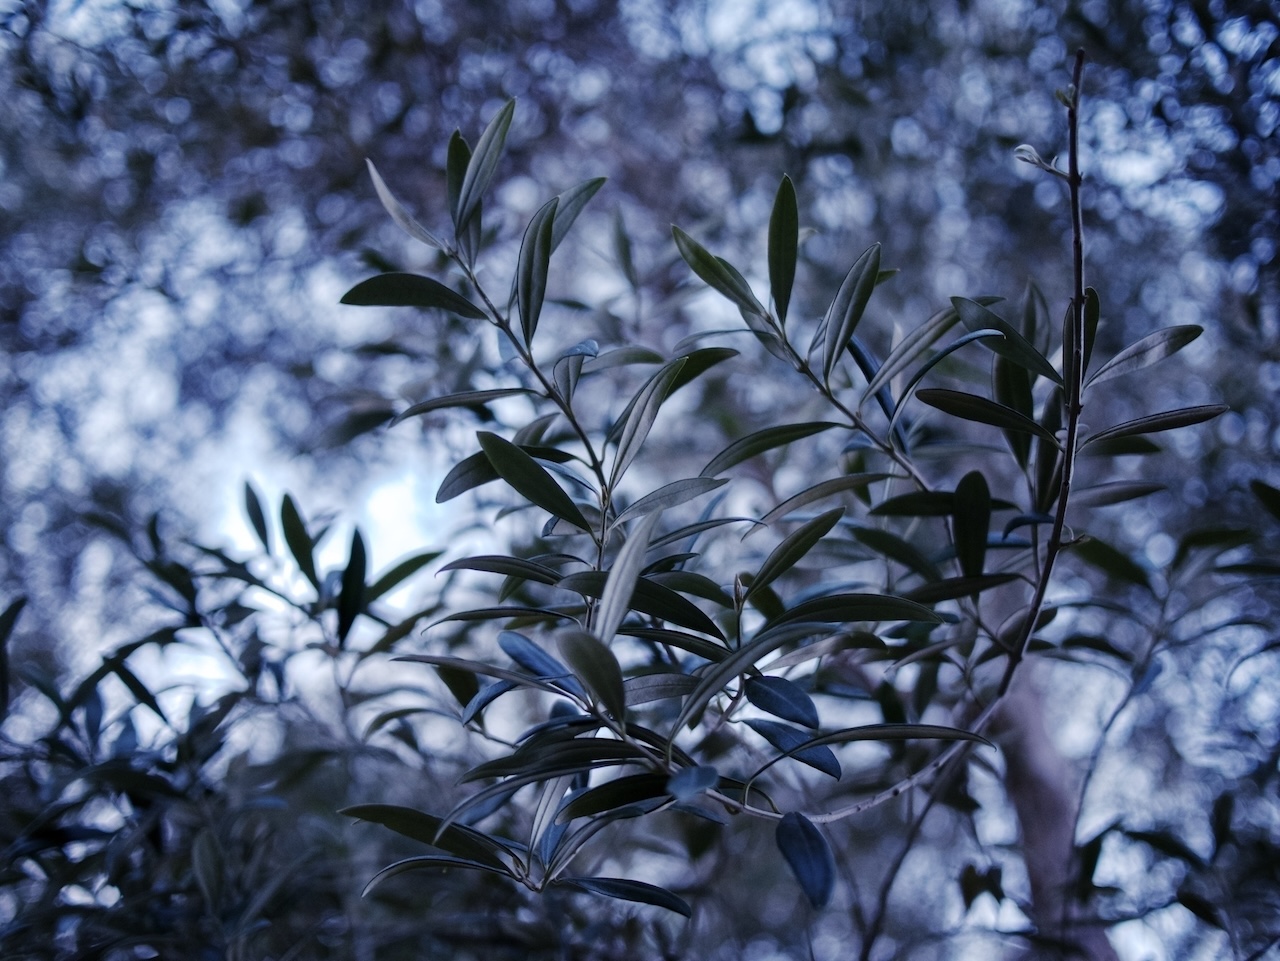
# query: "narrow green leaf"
[620,792]
[643,412]
[809,856]
[468,474]
[817,492]
[257,517]
[909,349]
[620,585]
[692,643]
[657,687]
[789,741]
[974,408]
[625,890]
[782,698]
[1014,346]
[457,157]
[401,216]
[717,274]
[793,548]
[456,839]
[529,479]
[622,357]
[648,598]
[1011,386]
[848,307]
[299,541]
[597,668]
[443,862]
[510,566]
[483,164]
[1092,314]
[843,608]
[971,522]
[668,496]
[351,596]
[537,661]
[1154,423]
[571,204]
[763,440]
[1149,350]
[397,289]
[784,245]
[917,504]
[472,399]
[532,268]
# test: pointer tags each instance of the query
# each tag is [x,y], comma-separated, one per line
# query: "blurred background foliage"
[184,198]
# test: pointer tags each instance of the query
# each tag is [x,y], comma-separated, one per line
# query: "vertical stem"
[1074,369]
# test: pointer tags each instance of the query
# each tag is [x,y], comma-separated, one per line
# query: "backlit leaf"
[532,268]
[1149,350]
[471,399]
[793,548]
[640,417]
[1014,346]
[598,669]
[482,165]
[763,440]
[401,216]
[784,241]
[717,274]
[257,517]
[529,479]
[848,307]
[625,890]
[571,204]
[1154,423]
[398,289]
[983,411]
[670,495]
[299,541]
[351,596]
[620,585]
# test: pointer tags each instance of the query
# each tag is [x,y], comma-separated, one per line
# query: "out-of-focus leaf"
[398,574]
[983,411]
[1167,420]
[717,274]
[8,620]
[410,290]
[689,782]
[1268,497]
[529,479]
[1216,539]
[668,496]
[1011,385]
[620,585]
[917,504]
[598,669]
[893,547]
[472,399]
[299,541]
[793,548]
[971,522]
[622,251]
[476,667]
[257,517]
[642,413]
[809,856]
[763,440]
[789,740]
[351,596]
[532,268]
[953,587]
[1110,561]
[1202,908]
[1014,346]
[456,839]
[401,216]
[571,204]
[483,697]
[782,698]
[624,890]
[482,165]
[1115,492]
[657,687]
[848,307]
[784,243]
[1151,349]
